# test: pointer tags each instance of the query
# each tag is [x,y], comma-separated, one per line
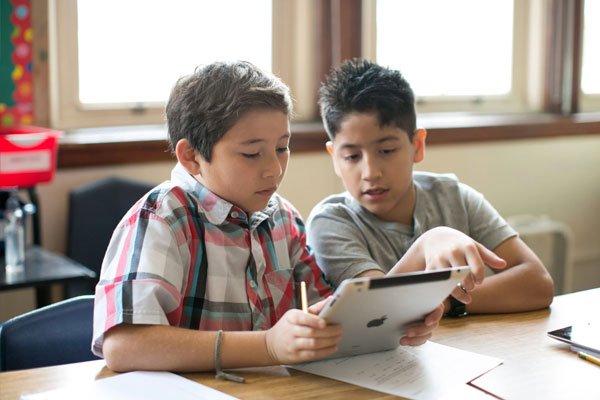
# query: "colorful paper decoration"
[16,87]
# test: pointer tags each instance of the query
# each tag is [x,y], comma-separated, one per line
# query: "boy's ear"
[419,145]
[329,147]
[188,157]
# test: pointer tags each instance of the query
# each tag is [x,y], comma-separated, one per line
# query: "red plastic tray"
[27,155]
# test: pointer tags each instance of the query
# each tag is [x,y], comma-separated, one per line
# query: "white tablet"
[583,337]
[375,312]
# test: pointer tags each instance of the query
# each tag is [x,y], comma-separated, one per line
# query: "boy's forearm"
[167,348]
[523,287]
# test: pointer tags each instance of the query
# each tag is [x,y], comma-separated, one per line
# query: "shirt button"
[235,214]
[253,284]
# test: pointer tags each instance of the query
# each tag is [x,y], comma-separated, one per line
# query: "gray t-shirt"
[348,239]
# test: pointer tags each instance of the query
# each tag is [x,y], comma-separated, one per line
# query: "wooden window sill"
[140,144]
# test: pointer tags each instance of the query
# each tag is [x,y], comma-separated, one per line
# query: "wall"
[558,177]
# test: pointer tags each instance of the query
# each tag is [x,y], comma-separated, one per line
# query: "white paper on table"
[145,385]
[429,371]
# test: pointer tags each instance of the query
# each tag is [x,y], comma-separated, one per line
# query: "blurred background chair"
[95,209]
[60,333]
[553,242]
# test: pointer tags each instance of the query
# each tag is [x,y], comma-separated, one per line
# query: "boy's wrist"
[457,309]
[270,354]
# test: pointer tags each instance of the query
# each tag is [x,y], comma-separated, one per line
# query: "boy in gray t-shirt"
[391,220]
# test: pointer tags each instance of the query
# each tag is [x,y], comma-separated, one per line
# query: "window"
[590,78]
[146,45]
[463,55]
[115,61]
[309,37]
[526,45]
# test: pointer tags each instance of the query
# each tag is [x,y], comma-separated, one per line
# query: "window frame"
[66,111]
[336,25]
[587,102]
[291,23]
[525,95]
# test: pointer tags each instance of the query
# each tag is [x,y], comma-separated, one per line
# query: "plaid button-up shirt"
[182,256]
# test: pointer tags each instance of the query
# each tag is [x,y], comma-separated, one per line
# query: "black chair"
[60,333]
[95,209]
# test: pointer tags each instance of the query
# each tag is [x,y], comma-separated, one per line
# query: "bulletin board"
[16,87]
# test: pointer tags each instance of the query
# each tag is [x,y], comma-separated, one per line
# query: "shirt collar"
[215,208]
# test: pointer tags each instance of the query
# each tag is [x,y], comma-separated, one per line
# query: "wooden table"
[535,366]
[42,269]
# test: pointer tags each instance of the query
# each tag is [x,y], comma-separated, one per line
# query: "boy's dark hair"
[203,106]
[363,86]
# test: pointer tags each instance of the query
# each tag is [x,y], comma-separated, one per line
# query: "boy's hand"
[417,335]
[300,336]
[318,306]
[446,247]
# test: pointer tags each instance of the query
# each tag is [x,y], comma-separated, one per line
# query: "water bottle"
[14,235]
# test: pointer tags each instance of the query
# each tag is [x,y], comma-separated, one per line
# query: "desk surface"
[43,267]
[535,366]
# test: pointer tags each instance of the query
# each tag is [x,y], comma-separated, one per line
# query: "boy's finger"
[460,295]
[468,283]
[419,331]
[311,354]
[490,258]
[438,263]
[415,341]
[457,260]
[328,331]
[477,266]
[317,343]
[298,317]
[433,318]
[318,307]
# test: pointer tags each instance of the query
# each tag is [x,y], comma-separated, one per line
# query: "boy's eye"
[283,149]
[251,155]
[388,151]
[351,157]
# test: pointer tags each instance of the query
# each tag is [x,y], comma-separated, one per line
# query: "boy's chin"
[255,207]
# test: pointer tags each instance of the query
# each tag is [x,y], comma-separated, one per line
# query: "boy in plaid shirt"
[215,248]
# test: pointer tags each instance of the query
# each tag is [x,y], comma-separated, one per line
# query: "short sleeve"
[486,225]
[143,274]
[341,249]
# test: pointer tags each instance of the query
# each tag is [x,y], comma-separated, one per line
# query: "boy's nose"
[370,169]
[272,168]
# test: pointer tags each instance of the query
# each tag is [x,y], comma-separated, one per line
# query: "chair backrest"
[60,333]
[553,242]
[95,209]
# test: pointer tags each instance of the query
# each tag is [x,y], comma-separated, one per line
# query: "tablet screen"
[584,336]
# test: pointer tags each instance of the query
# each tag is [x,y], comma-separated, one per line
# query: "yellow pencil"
[303,297]
[589,358]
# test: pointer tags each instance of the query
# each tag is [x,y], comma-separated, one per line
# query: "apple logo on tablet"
[376,322]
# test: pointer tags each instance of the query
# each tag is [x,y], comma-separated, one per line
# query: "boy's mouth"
[268,192]
[375,193]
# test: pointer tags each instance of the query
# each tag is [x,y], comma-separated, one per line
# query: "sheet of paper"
[430,371]
[134,385]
